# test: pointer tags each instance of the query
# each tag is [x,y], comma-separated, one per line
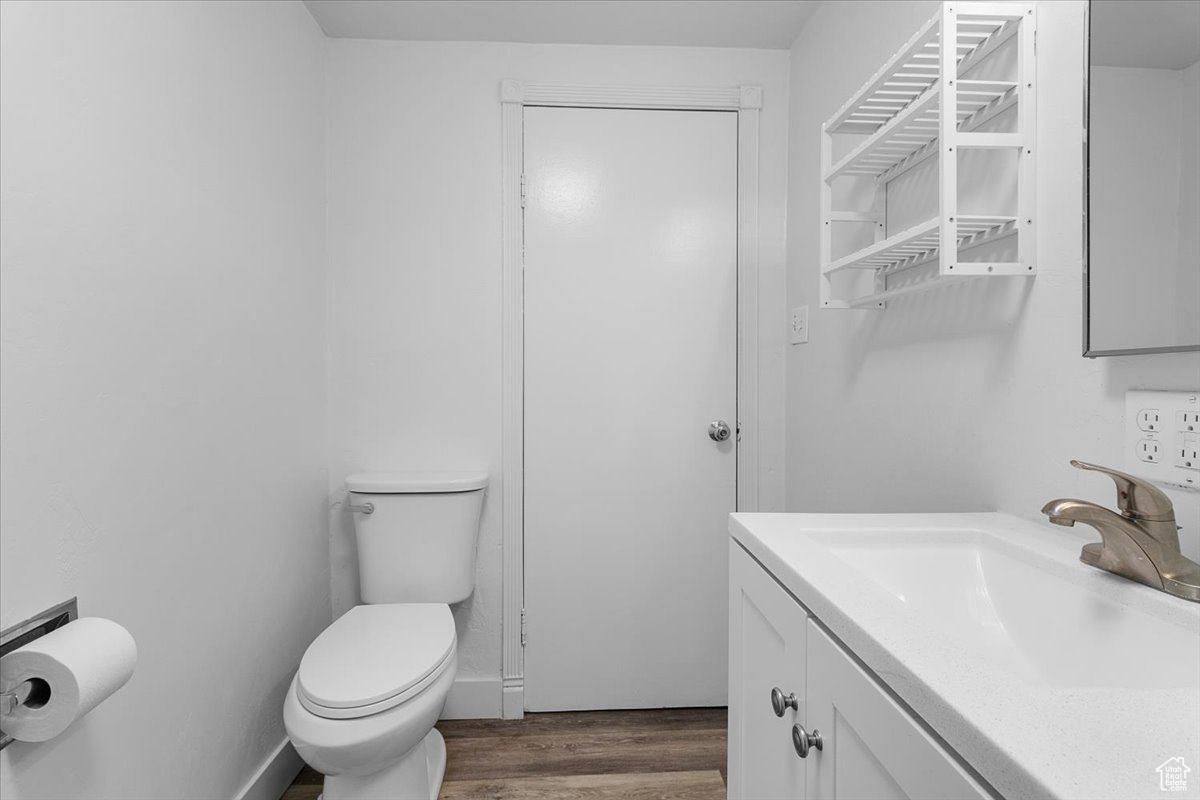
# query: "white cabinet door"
[766,651]
[872,749]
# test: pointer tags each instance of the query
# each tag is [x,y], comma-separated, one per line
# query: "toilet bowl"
[362,706]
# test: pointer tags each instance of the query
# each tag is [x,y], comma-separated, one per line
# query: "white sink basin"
[1026,610]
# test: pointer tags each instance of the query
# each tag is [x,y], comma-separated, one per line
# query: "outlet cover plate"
[798,326]
[1168,419]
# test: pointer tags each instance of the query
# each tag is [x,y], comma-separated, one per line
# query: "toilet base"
[435,752]
[416,776]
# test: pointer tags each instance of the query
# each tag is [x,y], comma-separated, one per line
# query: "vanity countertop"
[1049,677]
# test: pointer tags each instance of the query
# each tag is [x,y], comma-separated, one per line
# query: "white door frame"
[514,96]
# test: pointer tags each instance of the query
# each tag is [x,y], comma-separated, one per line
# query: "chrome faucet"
[1140,543]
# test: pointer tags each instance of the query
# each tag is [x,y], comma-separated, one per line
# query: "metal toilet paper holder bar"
[21,634]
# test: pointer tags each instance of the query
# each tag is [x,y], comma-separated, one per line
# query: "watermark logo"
[1172,775]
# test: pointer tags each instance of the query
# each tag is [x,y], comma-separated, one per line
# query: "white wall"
[163,395]
[971,397]
[414,254]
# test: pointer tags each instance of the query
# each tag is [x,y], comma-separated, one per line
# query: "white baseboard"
[474,698]
[274,776]
[514,699]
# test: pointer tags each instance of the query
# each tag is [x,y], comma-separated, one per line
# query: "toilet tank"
[418,543]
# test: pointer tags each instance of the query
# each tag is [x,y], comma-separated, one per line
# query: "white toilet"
[363,704]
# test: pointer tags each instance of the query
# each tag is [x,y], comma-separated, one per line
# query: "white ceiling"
[1157,34]
[771,24]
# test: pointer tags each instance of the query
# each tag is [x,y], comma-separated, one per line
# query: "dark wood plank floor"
[667,754]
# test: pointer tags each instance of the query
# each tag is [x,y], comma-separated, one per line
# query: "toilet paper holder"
[32,691]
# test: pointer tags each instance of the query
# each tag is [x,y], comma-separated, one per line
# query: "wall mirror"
[1142,261]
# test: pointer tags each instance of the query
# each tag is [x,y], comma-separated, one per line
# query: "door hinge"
[524,630]
[524,189]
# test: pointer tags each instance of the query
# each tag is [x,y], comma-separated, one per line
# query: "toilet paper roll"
[83,662]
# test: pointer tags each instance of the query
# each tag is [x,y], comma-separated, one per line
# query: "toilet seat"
[375,657]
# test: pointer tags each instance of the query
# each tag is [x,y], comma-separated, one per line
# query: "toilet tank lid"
[416,482]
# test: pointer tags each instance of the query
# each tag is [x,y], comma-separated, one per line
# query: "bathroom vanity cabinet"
[870,745]
[948,656]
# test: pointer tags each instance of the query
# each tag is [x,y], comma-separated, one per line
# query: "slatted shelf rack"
[917,107]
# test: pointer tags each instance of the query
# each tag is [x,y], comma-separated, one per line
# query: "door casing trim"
[514,96]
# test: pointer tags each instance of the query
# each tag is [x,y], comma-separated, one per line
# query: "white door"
[630,353]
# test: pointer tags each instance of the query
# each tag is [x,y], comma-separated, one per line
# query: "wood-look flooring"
[667,754]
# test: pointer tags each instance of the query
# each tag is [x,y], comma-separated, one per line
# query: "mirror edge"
[1087,195]
[1088,352]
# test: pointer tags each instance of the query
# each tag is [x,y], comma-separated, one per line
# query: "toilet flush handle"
[366,508]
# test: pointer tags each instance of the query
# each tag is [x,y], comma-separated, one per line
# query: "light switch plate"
[799,325]
[1162,437]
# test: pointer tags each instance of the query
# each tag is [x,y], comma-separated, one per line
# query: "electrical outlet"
[799,325]
[1187,454]
[1148,419]
[1147,450]
[1162,437]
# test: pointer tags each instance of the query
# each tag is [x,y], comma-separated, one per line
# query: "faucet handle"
[1136,498]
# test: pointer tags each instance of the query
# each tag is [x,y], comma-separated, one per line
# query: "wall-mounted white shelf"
[919,244]
[928,102]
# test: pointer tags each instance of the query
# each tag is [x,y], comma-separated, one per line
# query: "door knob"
[781,702]
[803,740]
[719,431]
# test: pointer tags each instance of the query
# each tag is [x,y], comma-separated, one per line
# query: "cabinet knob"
[803,740]
[781,702]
